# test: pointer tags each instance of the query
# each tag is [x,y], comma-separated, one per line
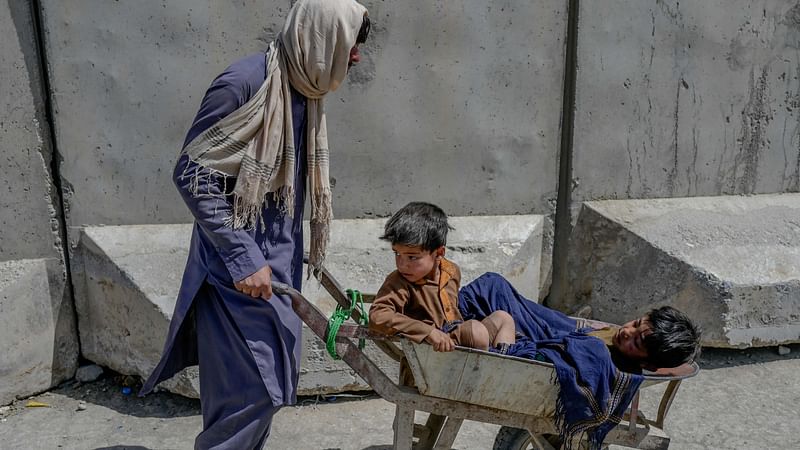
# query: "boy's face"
[629,339]
[415,263]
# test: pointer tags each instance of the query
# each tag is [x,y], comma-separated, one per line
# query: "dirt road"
[741,400]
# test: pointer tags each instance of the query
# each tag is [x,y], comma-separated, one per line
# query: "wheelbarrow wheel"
[509,438]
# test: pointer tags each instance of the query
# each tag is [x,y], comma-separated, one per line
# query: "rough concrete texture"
[440,84]
[28,218]
[679,98]
[740,400]
[38,325]
[732,263]
[127,279]
[37,328]
[456,103]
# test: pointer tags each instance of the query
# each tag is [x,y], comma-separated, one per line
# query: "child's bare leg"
[473,334]
[501,325]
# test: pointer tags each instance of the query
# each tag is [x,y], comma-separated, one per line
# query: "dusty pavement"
[741,400]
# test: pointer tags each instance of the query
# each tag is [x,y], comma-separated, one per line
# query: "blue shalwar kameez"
[248,349]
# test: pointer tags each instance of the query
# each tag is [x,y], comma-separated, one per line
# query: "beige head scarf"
[255,143]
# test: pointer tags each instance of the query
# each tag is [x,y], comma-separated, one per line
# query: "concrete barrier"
[732,263]
[37,328]
[37,324]
[127,280]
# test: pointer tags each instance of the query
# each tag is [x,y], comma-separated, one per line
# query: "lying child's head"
[418,234]
[664,338]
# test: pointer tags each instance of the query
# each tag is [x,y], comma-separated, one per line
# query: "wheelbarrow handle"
[317,321]
[281,288]
[307,312]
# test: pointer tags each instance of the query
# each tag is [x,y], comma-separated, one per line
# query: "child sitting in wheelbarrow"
[421,301]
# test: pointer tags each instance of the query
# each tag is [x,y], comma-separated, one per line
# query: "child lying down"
[598,371]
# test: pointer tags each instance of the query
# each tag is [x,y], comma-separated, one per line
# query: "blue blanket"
[593,393]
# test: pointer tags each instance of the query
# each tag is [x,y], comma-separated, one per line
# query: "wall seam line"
[55,157]
[562,223]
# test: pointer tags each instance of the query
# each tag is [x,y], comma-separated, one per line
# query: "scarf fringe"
[321,217]
[560,418]
[195,177]
[571,437]
[247,215]
[243,214]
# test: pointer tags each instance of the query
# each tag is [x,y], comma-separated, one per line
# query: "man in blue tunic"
[259,135]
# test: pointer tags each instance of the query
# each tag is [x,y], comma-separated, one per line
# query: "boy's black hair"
[363,33]
[674,338]
[419,224]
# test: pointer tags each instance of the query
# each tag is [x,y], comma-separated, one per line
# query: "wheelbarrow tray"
[465,384]
[497,381]
[483,378]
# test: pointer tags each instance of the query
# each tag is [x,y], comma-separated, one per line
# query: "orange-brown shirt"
[415,309]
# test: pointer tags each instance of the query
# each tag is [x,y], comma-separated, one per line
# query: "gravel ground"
[741,400]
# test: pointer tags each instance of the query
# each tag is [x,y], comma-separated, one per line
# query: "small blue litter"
[126,391]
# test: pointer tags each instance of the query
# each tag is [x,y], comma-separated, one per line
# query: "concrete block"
[682,99]
[131,275]
[126,281]
[505,244]
[37,328]
[732,263]
[37,323]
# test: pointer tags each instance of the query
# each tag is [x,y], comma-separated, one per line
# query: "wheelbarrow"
[459,385]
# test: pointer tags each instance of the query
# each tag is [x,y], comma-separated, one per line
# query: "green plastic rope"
[339,316]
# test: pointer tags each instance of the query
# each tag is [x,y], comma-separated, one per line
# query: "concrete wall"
[456,102]
[37,324]
[442,84]
[679,99]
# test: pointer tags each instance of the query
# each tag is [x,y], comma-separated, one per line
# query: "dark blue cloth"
[247,340]
[237,410]
[593,393]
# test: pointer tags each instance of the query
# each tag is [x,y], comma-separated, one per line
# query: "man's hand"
[257,285]
[440,341]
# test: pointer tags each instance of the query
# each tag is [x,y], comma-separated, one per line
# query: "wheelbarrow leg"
[448,434]
[403,428]
[431,430]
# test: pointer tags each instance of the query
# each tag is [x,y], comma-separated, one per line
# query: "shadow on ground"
[108,392]
[715,358]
